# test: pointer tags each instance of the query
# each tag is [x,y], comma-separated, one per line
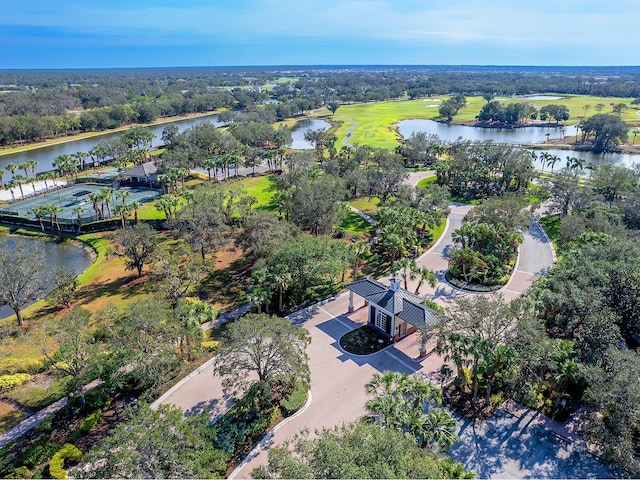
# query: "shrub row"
[9,382]
[22,365]
[56,464]
[295,401]
[471,287]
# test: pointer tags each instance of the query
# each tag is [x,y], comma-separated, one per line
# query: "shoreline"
[82,136]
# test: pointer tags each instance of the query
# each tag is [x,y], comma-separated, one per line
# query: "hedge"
[295,401]
[22,365]
[56,464]
[471,287]
[9,382]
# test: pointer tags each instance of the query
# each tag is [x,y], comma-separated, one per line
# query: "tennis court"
[73,196]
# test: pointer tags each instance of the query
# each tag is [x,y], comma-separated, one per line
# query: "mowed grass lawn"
[575,104]
[373,124]
[9,416]
[367,205]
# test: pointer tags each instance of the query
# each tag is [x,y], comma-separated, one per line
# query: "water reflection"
[45,155]
[72,257]
[516,136]
[304,126]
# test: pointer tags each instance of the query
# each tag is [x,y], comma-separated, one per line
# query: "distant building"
[144,175]
[393,310]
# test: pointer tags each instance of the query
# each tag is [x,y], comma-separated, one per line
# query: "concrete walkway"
[345,140]
[224,404]
[38,417]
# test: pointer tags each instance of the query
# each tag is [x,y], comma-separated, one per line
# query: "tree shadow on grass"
[226,286]
[126,287]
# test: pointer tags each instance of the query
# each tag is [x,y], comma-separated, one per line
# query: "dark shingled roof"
[406,305]
[394,301]
[366,287]
[145,170]
[419,315]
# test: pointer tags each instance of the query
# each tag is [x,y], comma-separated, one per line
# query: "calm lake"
[45,155]
[301,128]
[72,257]
[522,135]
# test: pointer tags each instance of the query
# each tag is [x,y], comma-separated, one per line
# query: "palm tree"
[122,210]
[283,281]
[209,164]
[405,266]
[552,161]
[24,166]
[96,153]
[258,296]
[44,177]
[96,198]
[12,167]
[386,383]
[39,212]
[424,275]
[81,157]
[359,249]
[32,166]
[78,210]
[63,164]
[135,206]
[10,186]
[167,204]
[1,179]
[107,193]
[440,427]
[53,210]
[635,132]
[465,235]
[419,391]
[544,160]
[19,179]
[123,194]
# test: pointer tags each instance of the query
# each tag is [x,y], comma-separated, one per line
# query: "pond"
[451,133]
[303,126]
[72,257]
[45,155]
[625,159]
[519,136]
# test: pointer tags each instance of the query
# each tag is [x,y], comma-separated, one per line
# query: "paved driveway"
[514,445]
[337,378]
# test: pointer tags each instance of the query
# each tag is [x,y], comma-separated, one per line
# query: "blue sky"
[117,33]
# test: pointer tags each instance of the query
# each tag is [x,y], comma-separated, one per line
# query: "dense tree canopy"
[156,443]
[262,348]
[605,130]
[356,450]
[482,169]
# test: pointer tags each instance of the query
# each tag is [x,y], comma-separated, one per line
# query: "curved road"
[337,378]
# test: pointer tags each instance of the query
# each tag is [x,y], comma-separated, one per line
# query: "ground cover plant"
[364,341]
